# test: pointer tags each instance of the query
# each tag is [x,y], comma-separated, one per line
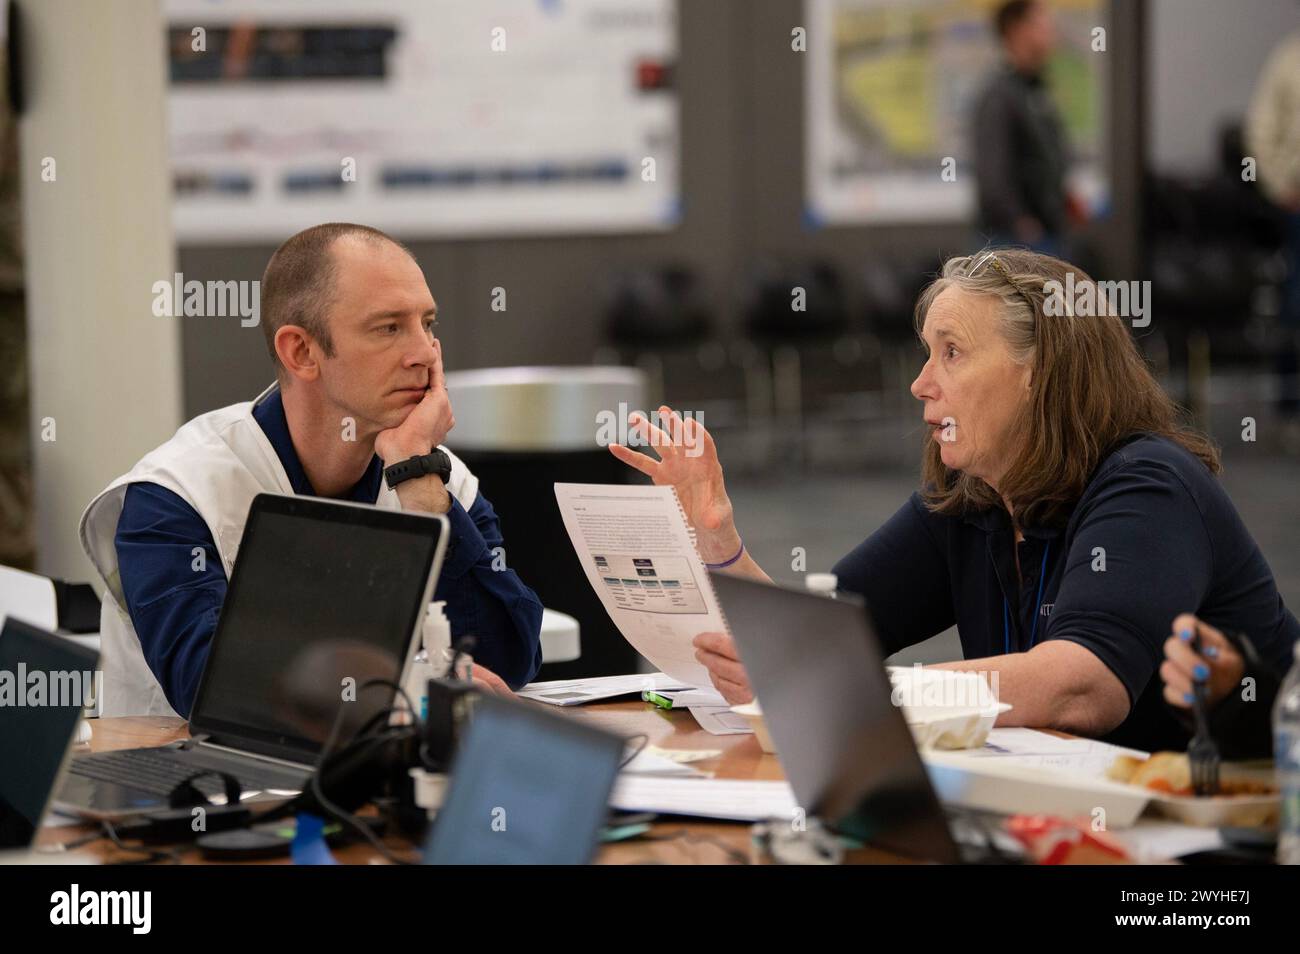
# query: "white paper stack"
[728,799]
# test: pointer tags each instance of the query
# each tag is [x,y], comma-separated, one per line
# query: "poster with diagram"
[427,118]
[891,86]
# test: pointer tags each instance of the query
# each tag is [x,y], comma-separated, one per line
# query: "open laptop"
[819,674]
[322,591]
[528,786]
[44,681]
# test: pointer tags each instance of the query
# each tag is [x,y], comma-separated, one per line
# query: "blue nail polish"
[1200,673]
[1185,635]
[1187,697]
[1211,652]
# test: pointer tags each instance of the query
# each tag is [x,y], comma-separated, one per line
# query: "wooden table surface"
[670,841]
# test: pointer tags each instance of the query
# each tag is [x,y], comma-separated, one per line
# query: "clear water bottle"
[1286,756]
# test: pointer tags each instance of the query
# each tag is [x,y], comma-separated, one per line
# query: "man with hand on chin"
[358,413]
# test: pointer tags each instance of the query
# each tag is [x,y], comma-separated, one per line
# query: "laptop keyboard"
[159,771]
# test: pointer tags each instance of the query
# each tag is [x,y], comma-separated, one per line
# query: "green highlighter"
[649,695]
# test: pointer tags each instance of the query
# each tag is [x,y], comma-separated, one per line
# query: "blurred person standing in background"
[1018,139]
[1273,138]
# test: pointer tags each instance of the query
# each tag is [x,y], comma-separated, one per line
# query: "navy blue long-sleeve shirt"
[1153,535]
[174,607]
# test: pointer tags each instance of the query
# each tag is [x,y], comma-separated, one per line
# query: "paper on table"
[638,555]
[572,692]
[690,698]
[647,762]
[684,756]
[1030,747]
[1151,840]
[720,720]
[732,799]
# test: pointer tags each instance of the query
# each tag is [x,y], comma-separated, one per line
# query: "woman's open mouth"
[943,429]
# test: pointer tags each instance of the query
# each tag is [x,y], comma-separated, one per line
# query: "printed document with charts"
[639,555]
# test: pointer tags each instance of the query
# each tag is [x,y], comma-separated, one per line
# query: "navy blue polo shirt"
[174,607]
[1153,535]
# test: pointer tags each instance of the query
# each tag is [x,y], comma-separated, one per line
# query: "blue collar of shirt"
[269,414]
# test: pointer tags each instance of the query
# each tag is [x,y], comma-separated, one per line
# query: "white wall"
[1205,56]
[103,368]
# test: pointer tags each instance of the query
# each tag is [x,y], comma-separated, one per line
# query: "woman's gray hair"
[1030,287]
[988,273]
[1090,388]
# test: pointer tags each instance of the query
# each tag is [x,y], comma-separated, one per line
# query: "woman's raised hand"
[688,462]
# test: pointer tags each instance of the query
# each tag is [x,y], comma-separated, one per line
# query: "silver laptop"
[321,592]
[818,672]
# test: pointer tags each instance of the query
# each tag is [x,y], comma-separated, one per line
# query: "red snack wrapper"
[1050,840]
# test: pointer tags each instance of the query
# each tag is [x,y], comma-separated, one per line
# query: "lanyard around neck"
[1038,602]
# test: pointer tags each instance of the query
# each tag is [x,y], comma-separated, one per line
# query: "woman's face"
[970,386]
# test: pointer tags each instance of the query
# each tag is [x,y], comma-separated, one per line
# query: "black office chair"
[661,320]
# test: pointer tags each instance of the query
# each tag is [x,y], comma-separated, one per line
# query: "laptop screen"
[324,596]
[527,787]
[44,680]
[819,676]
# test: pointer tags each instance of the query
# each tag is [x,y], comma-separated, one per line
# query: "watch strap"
[436,462]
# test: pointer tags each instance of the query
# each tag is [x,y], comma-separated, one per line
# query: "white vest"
[217,463]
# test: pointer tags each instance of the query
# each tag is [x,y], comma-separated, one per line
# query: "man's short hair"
[299,282]
[1011,13]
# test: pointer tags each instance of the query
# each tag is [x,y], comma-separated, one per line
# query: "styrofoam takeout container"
[945,709]
[1220,811]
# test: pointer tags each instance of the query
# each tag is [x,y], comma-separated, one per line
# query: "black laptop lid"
[818,673]
[315,583]
[528,786]
[44,682]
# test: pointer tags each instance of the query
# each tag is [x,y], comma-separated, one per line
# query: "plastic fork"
[1202,753]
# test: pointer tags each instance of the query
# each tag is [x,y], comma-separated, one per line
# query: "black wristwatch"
[435,463]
